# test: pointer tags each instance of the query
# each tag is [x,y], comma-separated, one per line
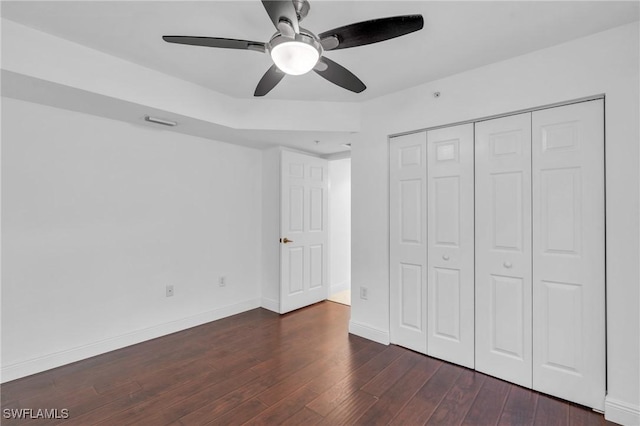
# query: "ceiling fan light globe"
[295,57]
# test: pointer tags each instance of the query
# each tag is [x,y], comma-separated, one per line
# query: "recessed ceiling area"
[107,58]
[457,36]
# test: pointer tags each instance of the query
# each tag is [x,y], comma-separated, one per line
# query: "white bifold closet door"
[503,248]
[408,241]
[540,251]
[569,252]
[450,282]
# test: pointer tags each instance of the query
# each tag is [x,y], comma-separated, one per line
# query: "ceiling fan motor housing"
[302,8]
[305,36]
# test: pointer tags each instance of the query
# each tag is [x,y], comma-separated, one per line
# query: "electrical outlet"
[364,293]
[169,290]
[222,281]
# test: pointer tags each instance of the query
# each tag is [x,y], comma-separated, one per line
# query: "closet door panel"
[450,302]
[408,240]
[568,253]
[503,248]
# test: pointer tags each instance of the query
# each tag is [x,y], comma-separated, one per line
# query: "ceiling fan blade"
[268,81]
[226,43]
[282,9]
[339,75]
[373,31]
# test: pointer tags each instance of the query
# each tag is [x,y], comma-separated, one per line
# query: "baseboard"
[369,332]
[57,359]
[621,412]
[271,304]
[337,288]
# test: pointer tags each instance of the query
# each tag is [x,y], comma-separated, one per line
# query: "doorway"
[340,230]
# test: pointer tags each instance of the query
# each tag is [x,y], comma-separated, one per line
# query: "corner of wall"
[270,228]
[368,332]
[271,304]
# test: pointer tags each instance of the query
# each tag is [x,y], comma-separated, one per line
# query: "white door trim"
[506,114]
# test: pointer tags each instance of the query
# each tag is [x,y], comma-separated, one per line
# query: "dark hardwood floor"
[258,367]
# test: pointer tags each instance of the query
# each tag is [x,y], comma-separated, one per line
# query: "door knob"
[285,240]
[507,265]
[445,257]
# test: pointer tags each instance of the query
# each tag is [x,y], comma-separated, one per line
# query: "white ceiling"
[457,36]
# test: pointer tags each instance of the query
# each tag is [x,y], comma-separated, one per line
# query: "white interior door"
[450,239]
[408,240]
[568,253]
[303,228]
[503,248]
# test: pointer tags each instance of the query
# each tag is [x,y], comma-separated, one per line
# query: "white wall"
[340,224]
[271,229]
[603,63]
[99,216]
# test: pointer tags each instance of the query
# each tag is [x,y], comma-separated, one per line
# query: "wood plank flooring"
[261,368]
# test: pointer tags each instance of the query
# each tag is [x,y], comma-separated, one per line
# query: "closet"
[497,248]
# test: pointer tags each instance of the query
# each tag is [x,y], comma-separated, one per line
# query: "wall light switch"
[364,293]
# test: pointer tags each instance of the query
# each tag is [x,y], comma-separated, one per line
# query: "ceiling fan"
[296,51]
